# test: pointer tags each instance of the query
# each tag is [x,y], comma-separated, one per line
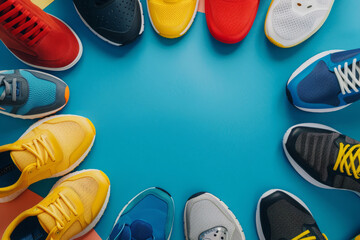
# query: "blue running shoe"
[148,216]
[30,94]
[327,82]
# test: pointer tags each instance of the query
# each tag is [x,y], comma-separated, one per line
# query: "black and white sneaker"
[117,22]
[282,216]
[323,156]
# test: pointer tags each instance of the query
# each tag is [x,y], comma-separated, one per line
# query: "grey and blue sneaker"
[117,22]
[148,216]
[30,94]
[327,82]
[207,218]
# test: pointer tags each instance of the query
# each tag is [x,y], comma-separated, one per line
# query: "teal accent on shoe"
[41,93]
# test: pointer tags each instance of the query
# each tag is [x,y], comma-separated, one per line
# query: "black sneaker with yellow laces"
[281,215]
[323,156]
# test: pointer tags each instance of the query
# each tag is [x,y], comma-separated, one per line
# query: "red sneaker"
[37,38]
[229,21]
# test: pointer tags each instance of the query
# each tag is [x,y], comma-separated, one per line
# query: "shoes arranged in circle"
[51,147]
[291,22]
[207,217]
[230,21]
[149,215]
[30,94]
[117,22]
[71,209]
[36,38]
[172,18]
[326,82]
[282,215]
[324,156]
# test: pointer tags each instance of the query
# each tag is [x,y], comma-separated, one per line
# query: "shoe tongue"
[47,221]
[141,230]
[23,158]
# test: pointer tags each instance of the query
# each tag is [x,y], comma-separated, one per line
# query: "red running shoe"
[37,38]
[229,21]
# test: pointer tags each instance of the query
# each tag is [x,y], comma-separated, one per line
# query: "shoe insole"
[9,173]
[29,229]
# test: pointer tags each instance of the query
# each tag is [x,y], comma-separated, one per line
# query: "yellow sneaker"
[51,147]
[172,18]
[71,209]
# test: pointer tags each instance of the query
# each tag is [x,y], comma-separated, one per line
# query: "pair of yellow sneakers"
[54,147]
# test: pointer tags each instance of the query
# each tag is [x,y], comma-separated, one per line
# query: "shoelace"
[21,22]
[345,154]
[303,236]
[9,89]
[57,205]
[349,79]
[42,154]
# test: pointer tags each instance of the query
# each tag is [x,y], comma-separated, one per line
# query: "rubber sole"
[268,193]
[105,39]
[223,205]
[35,115]
[297,167]
[61,68]
[272,40]
[71,168]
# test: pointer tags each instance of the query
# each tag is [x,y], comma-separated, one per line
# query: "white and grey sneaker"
[207,218]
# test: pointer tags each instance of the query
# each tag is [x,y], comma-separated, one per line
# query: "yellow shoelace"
[57,205]
[42,154]
[345,154]
[303,235]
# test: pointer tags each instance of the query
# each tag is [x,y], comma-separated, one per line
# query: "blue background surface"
[193,114]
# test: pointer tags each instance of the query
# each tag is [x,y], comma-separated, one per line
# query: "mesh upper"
[316,151]
[283,217]
[291,25]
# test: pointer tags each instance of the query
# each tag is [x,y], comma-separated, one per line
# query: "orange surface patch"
[201,6]
[25,201]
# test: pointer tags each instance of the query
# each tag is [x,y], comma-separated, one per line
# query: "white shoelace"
[349,79]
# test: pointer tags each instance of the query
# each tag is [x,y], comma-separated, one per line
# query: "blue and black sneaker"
[30,94]
[148,216]
[327,82]
[117,22]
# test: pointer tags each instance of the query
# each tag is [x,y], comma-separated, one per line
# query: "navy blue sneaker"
[148,216]
[327,82]
[117,22]
[30,94]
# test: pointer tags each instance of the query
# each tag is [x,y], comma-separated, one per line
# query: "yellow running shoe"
[172,18]
[71,209]
[51,147]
